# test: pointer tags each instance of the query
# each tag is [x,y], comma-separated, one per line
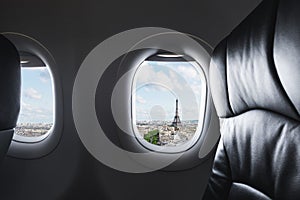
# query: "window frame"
[197,135]
[28,147]
[34,139]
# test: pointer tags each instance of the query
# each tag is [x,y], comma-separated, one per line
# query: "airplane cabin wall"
[70,30]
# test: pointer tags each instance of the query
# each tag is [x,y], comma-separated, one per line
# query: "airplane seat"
[9,92]
[255,79]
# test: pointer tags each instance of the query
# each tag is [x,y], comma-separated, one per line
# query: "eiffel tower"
[176,120]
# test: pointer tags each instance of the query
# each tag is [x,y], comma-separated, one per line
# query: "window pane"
[36,114]
[167,97]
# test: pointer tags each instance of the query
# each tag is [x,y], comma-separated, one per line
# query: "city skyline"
[159,84]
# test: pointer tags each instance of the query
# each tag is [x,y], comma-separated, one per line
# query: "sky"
[158,84]
[36,96]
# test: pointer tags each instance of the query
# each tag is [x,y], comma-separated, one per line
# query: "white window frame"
[182,147]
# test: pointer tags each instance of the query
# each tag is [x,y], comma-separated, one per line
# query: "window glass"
[166,102]
[36,114]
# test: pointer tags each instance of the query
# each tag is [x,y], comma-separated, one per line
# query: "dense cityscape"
[167,133]
[162,133]
[32,129]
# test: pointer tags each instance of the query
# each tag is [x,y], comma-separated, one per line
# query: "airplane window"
[168,98]
[36,114]
[40,121]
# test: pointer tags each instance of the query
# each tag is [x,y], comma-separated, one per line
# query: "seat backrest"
[255,80]
[9,92]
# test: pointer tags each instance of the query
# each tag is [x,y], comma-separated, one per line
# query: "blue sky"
[36,96]
[159,84]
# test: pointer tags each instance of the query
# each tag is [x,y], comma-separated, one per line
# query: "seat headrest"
[10,80]
[258,65]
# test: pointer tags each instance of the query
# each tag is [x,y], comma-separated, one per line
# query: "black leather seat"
[9,92]
[255,80]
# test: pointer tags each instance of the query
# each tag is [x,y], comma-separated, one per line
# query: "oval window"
[36,114]
[168,102]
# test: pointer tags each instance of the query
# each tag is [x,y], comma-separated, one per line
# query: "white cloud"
[44,79]
[140,99]
[34,113]
[44,76]
[142,113]
[183,81]
[32,94]
[167,79]
[26,107]
[188,72]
